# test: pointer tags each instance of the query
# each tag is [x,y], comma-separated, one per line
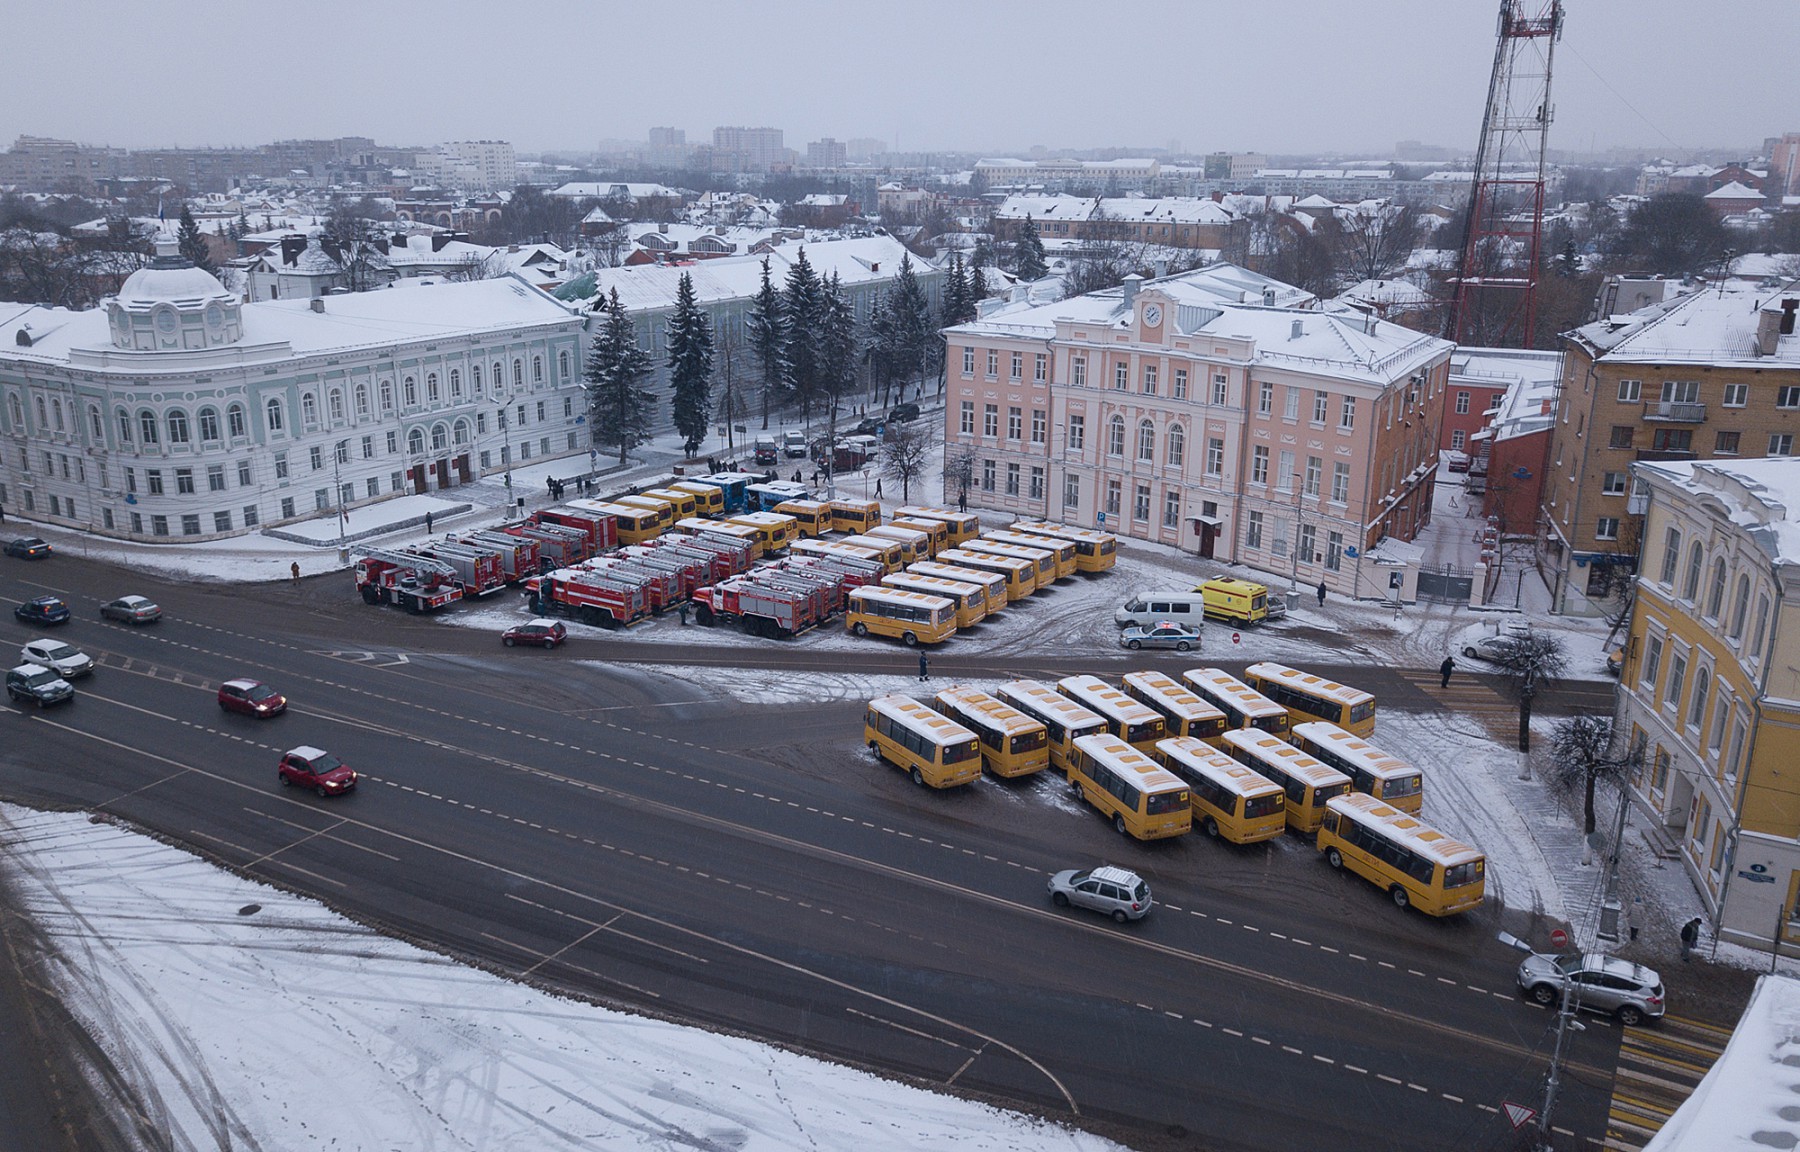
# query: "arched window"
[1146,440]
[1716,598]
[562,365]
[409,391]
[1762,622]
[309,409]
[1740,606]
[272,412]
[124,418]
[335,401]
[1697,710]
[498,379]
[56,413]
[43,417]
[361,396]
[387,395]
[537,369]
[1696,563]
[1177,444]
[518,373]
[475,380]
[178,427]
[415,441]
[1115,436]
[96,423]
[234,421]
[431,387]
[460,433]
[18,414]
[456,384]
[147,425]
[439,437]
[209,425]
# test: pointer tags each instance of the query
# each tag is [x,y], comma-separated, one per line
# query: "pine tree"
[690,366]
[976,289]
[619,411]
[803,304]
[837,345]
[955,292]
[914,334]
[193,244]
[1029,253]
[878,351]
[765,327]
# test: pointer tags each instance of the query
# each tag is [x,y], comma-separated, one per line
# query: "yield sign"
[1518,1114]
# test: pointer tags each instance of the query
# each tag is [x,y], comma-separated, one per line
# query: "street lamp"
[506,452]
[338,451]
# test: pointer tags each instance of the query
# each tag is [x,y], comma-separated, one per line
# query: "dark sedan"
[43,610]
[28,548]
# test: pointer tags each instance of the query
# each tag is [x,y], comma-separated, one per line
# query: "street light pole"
[506,452]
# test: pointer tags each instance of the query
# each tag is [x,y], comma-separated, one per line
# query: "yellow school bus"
[1021,575]
[1095,551]
[1144,799]
[1012,743]
[970,600]
[914,545]
[962,525]
[1063,550]
[1230,800]
[1307,783]
[1389,779]
[935,750]
[636,523]
[811,517]
[1137,725]
[709,499]
[854,515]
[1244,706]
[912,617]
[804,547]
[937,530]
[1184,713]
[1062,718]
[665,513]
[684,504]
[741,533]
[1299,692]
[1043,564]
[992,584]
[774,530]
[1415,863]
[892,552]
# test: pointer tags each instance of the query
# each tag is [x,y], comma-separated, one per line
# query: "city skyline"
[1295,82]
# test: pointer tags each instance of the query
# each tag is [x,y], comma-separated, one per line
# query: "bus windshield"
[1361,712]
[1459,875]
[1263,805]
[960,751]
[1159,803]
[1030,741]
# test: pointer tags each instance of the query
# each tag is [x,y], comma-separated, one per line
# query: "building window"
[209,424]
[1736,395]
[1146,441]
[1653,648]
[387,395]
[1149,379]
[1740,605]
[1253,530]
[1177,453]
[281,465]
[1171,509]
[1315,472]
[1221,389]
[250,517]
[1040,368]
[159,525]
[1017,364]
[1629,391]
[1178,385]
[990,420]
[432,393]
[1781,444]
[309,409]
[1290,404]
[1347,416]
[1340,483]
[1259,465]
[1115,436]
[1691,586]
[1077,433]
[316,455]
[1265,398]
[1697,711]
[321,499]
[215,477]
[1015,424]
[1215,456]
[1671,554]
[1078,372]
[1121,376]
[221,521]
[1140,504]
[342,451]
[287,507]
[1462,403]
[1677,682]
[1113,490]
[1037,483]
[987,475]
[1334,551]
[562,366]
[967,427]
[1458,439]
[1012,479]
[518,373]
[993,363]
[190,524]
[1672,440]
[1040,426]
[334,401]
[1715,599]
[1071,490]
[1607,528]
[968,361]
[1788,396]
[368,447]
[178,427]
[1309,544]
[124,421]
[537,369]
[1284,476]
[1621,436]
[1613,484]
[1321,406]
[1726,444]
[272,415]
[243,473]
[409,391]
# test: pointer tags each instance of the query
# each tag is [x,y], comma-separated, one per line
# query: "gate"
[1445,584]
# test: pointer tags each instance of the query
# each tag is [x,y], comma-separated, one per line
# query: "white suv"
[1118,892]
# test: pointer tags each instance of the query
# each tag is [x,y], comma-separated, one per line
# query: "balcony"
[1675,411]
[1665,454]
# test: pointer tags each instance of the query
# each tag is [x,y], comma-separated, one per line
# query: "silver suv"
[1602,983]
[1118,892]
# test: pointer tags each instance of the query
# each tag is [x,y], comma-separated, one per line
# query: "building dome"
[172,305]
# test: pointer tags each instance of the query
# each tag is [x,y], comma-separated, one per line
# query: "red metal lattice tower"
[1496,286]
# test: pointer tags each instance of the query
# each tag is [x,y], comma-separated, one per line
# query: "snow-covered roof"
[1530,378]
[1733,191]
[652,287]
[1042,207]
[1756,495]
[1166,210]
[1392,294]
[1717,326]
[1743,1103]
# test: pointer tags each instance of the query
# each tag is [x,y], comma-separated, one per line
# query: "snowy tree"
[908,452]
[1028,253]
[837,346]
[766,328]
[956,291]
[619,410]
[803,304]
[1531,663]
[975,286]
[690,365]
[1583,753]
[914,334]
[193,244]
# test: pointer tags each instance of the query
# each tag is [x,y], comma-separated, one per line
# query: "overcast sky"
[994,76]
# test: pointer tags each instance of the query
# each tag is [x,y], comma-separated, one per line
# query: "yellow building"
[1710,689]
[1714,374]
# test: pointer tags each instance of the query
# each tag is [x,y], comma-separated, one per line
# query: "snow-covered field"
[291,1027]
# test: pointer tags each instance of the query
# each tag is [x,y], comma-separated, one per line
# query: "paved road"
[610,834]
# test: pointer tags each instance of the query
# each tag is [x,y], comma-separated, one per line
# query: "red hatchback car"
[251,697]
[317,769]
[548,633]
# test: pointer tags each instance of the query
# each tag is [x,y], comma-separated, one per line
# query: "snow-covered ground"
[290,1027]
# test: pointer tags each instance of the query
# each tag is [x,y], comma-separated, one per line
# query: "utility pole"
[1610,904]
[1565,1020]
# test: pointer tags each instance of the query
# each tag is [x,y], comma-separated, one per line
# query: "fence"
[1445,583]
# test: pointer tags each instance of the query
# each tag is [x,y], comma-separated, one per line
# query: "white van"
[1146,608]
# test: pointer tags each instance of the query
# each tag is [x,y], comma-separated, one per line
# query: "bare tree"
[1531,662]
[959,472]
[1376,244]
[1583,752]
[476,266]
[908,452]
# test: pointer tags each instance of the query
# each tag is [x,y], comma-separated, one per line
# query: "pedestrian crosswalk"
[1659,1067]
[1487,699]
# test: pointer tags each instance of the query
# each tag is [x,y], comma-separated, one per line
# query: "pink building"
[1216,411]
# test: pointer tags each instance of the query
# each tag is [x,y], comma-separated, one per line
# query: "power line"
[1621,97]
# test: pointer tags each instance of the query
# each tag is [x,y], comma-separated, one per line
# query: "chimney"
[1768,330]
[1162,268]
[1130,287]
[1298,330]
[438,240]
[663,228]
[318,304]
[1268,297]
[1218,197]
[291,248]
[1788,308]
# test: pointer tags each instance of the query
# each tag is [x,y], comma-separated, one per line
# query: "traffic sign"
[1558,938]
[1518,1114]
[1235,638]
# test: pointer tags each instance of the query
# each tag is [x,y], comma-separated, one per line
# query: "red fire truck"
[602,530]
[588,596]
[411,581]
[762,609]
[518,555]
[478,567]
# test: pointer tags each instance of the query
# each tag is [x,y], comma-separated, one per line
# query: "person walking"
[683,610]
[427,523]
[1444,670]
[295,569]
[1321,593]
[1690,936]
[924,669]
[877,489]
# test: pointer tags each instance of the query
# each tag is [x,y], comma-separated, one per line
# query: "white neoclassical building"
[175,412]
